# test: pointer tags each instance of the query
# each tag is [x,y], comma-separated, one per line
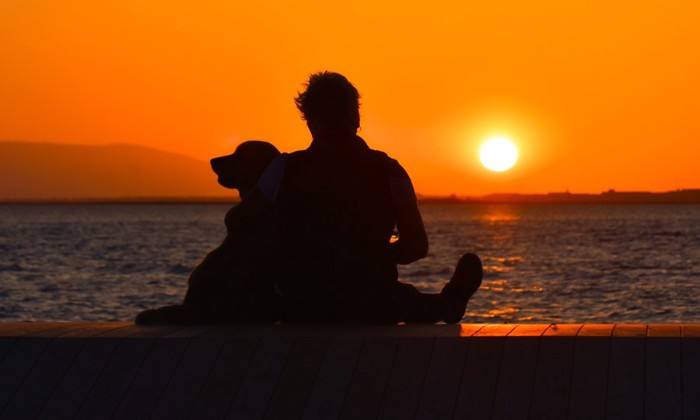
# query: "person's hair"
[330,101]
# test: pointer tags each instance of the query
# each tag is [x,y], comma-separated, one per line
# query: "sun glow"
[498,154]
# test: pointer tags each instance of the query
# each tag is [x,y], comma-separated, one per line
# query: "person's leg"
[448,305]
[415,307]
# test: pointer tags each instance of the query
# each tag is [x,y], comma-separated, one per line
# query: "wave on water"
[11,267]
[543,263]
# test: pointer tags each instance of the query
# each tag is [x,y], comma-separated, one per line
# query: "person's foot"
[464,283]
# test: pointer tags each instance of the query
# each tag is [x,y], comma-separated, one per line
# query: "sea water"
[543,263]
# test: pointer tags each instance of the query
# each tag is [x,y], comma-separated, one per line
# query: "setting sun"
[594,81]
[498,154]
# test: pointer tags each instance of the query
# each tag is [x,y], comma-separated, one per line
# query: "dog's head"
[244,166]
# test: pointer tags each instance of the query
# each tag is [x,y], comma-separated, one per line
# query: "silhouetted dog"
[233,283]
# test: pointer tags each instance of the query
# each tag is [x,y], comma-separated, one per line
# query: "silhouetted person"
[338,203]
[233,283]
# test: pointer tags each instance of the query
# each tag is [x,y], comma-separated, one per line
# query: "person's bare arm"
[412,244]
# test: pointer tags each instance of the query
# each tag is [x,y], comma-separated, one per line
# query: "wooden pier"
[467,371]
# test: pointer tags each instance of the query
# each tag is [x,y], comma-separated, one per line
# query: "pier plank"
[9,329]
[333,380]
[129,330]
[550,397]
[589,377]
[96,370]
[96,329]
[422,330]
[663,381]
[225,378]
[563,330]
[401,330]
[261,378]
[188,378]
[190,331]
[407,377]
[467,330]
[142,331]
[407,330]
[517,376]
[364,396]
[40,382]
[297,379]
[480,372]
[240,331]
[663,330]
[56,329]
[345,331]
[301,330]
[20,329]
[17,364]
[596,330]
[630,330]
[152,378]
[77,382]
[453,330]
[78,329]
[690,330]
[114,380]
[495,330]
[528,330]
[690,363]
[442,378]
[6,344]
[626,372]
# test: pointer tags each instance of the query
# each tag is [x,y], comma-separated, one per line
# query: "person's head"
[242,168]
[330,105]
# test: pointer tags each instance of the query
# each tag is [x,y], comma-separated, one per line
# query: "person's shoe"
[464,283]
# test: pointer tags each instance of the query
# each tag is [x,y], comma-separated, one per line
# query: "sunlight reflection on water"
[548,263]
[543,263]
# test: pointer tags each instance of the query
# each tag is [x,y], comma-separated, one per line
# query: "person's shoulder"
[303,155]
[400,183]
[378,154]
[391,166]
[271,178]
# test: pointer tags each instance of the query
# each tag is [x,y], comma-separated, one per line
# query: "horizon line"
[689,195]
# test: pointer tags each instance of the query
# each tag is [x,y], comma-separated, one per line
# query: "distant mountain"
[686,196]
[46,171]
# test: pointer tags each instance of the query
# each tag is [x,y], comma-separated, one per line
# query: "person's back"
[336,218]
[338,203]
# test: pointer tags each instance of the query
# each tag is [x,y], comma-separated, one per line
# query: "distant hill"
[687,196]
[609,197]
[46,171]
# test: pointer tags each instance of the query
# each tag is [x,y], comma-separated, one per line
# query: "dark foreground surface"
[101,370]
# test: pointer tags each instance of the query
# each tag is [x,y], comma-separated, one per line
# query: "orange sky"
[596,94]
